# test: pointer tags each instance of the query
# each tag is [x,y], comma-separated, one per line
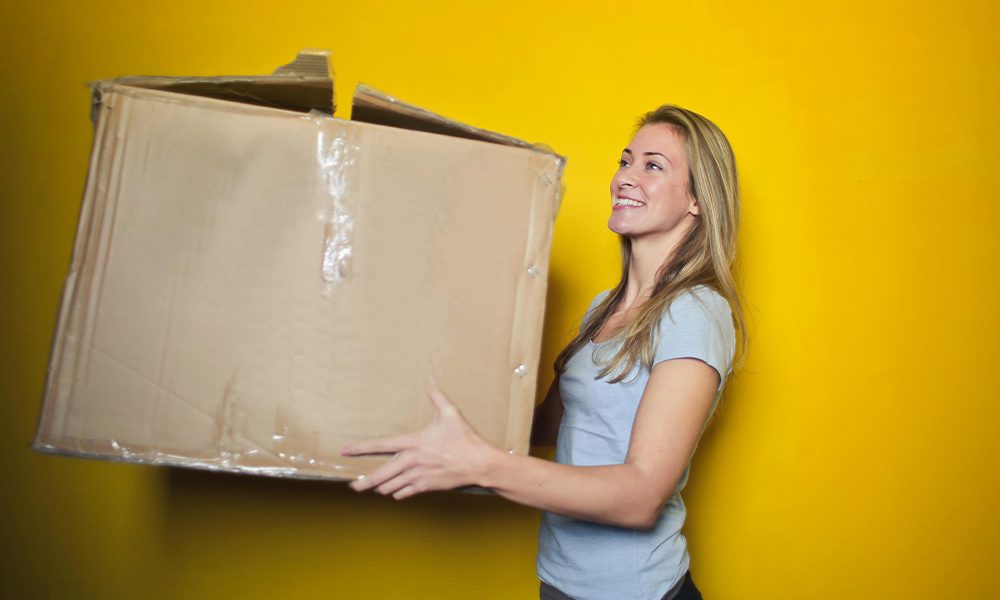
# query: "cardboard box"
[256,283]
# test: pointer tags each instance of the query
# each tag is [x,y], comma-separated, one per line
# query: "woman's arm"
[449,453]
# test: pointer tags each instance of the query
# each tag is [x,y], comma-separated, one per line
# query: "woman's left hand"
[446,454]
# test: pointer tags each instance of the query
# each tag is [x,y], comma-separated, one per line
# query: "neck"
[649,254]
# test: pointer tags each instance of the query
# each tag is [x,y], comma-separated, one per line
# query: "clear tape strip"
[336,156]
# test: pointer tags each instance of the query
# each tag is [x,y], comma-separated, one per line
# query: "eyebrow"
[651,154]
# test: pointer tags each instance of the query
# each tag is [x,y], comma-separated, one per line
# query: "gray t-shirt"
[592,561]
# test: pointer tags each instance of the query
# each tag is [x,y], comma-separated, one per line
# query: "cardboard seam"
[522,381]
[105,241]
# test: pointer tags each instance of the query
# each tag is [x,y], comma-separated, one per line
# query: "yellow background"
[857,453]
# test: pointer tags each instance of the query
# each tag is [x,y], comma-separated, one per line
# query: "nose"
[624,179]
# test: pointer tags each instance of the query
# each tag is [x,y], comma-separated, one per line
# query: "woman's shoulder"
[702,294]
[700,304]
[699,324]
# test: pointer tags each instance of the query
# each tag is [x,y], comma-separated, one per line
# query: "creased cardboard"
[200,325]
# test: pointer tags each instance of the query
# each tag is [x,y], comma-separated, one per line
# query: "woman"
[634,390]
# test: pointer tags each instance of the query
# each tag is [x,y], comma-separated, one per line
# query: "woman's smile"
[622,203]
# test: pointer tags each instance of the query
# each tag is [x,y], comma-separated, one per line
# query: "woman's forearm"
[449,453]
[622,495]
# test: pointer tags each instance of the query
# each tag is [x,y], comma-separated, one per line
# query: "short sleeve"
[698,324]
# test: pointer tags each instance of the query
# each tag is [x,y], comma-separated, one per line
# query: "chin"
[617,226]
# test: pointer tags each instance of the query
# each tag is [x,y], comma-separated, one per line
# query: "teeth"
[626,202]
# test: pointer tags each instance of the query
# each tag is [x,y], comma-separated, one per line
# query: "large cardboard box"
[256,283]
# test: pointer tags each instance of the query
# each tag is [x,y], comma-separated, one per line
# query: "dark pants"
[682,590]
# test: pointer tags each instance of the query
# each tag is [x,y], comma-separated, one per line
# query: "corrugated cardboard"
[254,286]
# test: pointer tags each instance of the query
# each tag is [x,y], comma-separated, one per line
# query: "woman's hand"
[446,454]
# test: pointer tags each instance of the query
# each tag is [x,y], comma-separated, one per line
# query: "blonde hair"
[706,256]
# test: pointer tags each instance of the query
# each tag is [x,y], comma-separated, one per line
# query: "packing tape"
[336,157]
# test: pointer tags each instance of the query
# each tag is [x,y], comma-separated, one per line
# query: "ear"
[693,207]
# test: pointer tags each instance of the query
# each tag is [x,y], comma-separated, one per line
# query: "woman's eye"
[622,163]
[654,166]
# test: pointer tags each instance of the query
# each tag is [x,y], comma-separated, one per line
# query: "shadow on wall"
[196,499]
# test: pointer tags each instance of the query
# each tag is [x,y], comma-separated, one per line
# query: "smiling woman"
[635,388]
[649,193]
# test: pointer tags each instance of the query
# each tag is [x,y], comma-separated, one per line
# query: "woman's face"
[649,192]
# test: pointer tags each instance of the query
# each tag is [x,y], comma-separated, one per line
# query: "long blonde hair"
[706,256]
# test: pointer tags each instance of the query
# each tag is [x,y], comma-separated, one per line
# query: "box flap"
[372,106]
[302,85]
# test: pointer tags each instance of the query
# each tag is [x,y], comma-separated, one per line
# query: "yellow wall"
[857,454]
